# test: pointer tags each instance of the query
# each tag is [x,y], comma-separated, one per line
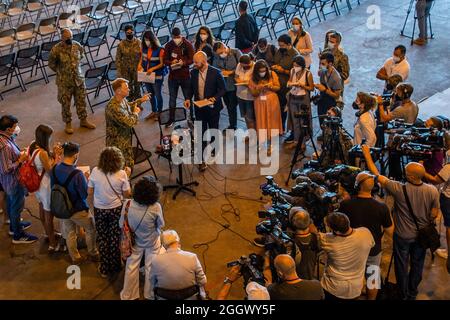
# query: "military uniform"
[120,120]
[340,63]
[127,60]
[65,60]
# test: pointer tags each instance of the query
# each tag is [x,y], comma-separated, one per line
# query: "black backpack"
[60,204]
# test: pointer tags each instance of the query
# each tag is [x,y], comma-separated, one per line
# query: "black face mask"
[355,105]
[389,87]
[69,42]
[130,36]
[398,98]
[283,50]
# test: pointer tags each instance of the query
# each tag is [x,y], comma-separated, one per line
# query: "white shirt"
[444,174]
[242,92]
[365,129]
[402,68]
[343,276]
[104,196]
[201,83]
[298,91]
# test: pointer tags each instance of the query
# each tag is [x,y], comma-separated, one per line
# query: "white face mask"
[296,27]
[148,43]
[298,69]
[177,41]
[223,55]
[396,59]
[16,131]
[262,74]
[331,45]
[204,37]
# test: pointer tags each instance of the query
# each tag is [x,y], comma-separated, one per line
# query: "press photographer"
[408,109]
[365,119]
[416,206]
[336,140]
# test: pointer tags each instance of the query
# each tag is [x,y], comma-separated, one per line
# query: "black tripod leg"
[407,17]
[295,157]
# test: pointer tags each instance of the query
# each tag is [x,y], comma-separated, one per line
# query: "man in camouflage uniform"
[341,63]
[127,60]
[121,116]
[64,59]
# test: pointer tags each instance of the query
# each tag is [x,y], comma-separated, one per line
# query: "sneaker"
[169,124]
[259,242]
[420,42]
[25,238]
[289,139]
[24,224]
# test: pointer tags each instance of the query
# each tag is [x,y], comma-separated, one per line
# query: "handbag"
[428,237]
[128,236]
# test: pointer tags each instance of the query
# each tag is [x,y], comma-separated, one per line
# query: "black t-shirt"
[303,290]
[369,213]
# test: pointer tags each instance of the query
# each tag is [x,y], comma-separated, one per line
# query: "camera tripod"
[332,147]
[305,130]
[410,8]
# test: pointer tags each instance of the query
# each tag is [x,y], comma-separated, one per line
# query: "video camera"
[250,267]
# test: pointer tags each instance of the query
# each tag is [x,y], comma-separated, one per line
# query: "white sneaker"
[443,253]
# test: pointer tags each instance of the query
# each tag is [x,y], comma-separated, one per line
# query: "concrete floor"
[27,272]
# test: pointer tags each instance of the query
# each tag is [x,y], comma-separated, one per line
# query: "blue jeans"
[15,202]
[156,90]
[408,253]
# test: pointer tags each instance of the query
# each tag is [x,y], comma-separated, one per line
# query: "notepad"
[203,103]
[147,78]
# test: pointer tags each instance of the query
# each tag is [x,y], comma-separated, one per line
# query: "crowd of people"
[270,85]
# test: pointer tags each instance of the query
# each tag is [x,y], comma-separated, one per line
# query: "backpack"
[28,175]
[60,204]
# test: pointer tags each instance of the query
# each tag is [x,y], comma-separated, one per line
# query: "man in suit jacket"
[207,82]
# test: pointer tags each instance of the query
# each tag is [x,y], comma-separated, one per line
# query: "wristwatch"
[227,280]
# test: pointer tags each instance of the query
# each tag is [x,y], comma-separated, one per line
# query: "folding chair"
[142,22]
[276,14]
[163,40]
[44,53]
[47,28]
[140,155]
[16,9]
[27,60]
[188,11]
[7,70]
[7,39]
[25,32]
[131,7]
[261,19]
[321,4]
[83,18]
[120,35]
[66,20]
[96,38]
[34,6]
[111,75]
[55,4]
[79,37]
[146,2]
[3,16]
[227,31]
[174,14]
[100,13]
[159,20]
[95,81]
[221,6]
[216,32]
[117,10]
[305,8]
[204,9]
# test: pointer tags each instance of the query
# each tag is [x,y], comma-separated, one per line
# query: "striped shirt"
[9,167]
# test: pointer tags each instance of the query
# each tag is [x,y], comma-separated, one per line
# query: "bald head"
[285,266]
[299,218]
[200,60]
[365,182]
[414,172]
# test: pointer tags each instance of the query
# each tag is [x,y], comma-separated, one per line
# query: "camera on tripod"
[332,122]
[276,240]
[250,267]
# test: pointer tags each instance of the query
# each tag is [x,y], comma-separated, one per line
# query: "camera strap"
[408,203]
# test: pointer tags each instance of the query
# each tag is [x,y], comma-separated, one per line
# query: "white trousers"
[130,289]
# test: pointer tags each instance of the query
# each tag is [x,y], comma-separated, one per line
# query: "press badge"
[174,55]
[263,98]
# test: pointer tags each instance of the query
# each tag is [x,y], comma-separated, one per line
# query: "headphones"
[357,185]
[337,111]
[407,90]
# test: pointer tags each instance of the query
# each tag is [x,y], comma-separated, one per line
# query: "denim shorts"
[445,208]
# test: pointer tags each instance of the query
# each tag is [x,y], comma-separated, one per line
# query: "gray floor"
[27,272]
